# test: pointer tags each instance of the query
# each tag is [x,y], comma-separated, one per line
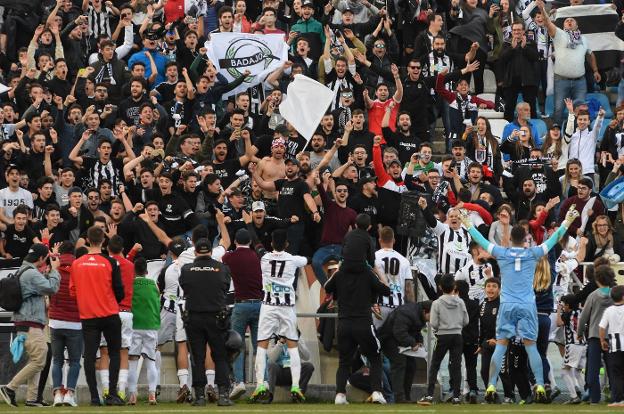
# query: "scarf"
[574,38]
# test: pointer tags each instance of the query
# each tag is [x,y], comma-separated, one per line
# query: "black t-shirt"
[290,201]
[365,205]
[227,171]
[18,242]
[179,113]
[174,212]
[57,234]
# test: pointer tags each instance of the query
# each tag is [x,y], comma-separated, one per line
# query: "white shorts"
[126,331]
[574,356]
[180,332]
[277,320]
[557,334]
[144,342]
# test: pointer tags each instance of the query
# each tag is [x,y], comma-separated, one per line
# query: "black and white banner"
[597,23]
[234,53]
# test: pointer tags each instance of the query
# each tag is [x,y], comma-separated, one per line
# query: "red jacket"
[127,279]
[63,307]
[95,281]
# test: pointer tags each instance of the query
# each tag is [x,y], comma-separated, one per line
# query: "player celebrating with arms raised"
[518,312]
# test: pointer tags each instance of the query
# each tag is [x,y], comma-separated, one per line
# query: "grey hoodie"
[595,305]
[448,315]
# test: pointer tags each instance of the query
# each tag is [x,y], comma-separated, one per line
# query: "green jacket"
[309,26]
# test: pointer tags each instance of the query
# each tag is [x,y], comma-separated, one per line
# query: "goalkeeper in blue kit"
[517,315]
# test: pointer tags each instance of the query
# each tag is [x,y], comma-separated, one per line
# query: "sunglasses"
[414,67]
[344,190]
[380,46]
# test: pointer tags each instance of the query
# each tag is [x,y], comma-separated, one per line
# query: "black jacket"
[519,62]
[404,325]
[470,332]
[205,283]
[355,293]
[488,312]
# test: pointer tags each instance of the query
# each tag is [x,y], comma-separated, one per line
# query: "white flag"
[305,104]
[234,53]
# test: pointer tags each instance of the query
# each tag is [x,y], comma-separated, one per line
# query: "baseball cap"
[367,180]
[258,206]
[10,168]
[555,125]
[242,236]
[203,246]
[36,252]
[236,192]
[292,161]
[347,10]
[177,246]
[579,102]
[308,3]
[397,162]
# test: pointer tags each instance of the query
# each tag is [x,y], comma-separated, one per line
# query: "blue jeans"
[594,363]
[72,340]
[543,331]
[321,256]
[567,88]
[245,314]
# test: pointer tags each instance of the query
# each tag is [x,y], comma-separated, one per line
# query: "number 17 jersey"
[279,271]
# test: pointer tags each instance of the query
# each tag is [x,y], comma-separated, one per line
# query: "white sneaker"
[58,399]
[341,399]
[69,399]
[238,391]
[377,398]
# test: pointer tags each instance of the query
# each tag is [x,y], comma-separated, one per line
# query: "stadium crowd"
[121,144]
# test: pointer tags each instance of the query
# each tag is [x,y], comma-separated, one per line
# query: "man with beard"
[337,221]
[293,196]
[435,62]
[525,198]
[327,129]
[273,168]
[340,79]
[390,186]
[263,224]
[66,123]
[377,108]
[547,182]
[129,107]
[189,188]
[319,152]
[461,162]
[226,168]
[232,133]
[402,139]
[358,135]
[150,46]
[102,167]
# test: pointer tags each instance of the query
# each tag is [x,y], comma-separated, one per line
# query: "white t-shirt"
[11,199]
[613,322]
[569,63]
[279,271]
[397,270]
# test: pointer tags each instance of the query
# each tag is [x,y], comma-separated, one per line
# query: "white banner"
[305,104]
[234,53]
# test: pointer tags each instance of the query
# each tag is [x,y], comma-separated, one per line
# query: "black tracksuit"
[355,293]
[402,328]
[488,312]
[470,335]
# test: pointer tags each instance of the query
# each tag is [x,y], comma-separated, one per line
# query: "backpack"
[11,292]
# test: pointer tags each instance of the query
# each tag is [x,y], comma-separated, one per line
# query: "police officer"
[205,283]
